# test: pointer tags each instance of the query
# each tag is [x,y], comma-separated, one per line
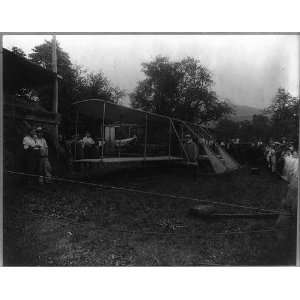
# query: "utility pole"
[55,84]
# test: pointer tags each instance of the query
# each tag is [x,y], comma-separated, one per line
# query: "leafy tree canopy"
[181,89]
[284,114]
[279,120]
[284,106]
[18,51]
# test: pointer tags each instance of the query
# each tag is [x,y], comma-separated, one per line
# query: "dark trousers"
[32,161]
[194,168]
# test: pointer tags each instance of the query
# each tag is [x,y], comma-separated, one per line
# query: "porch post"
[103,130]
[76,134]
[146,136]
[170,138]
[55,84]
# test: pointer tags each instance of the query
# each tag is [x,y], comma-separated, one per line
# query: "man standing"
[44,166]
[192,151]
[87,144]
[31,153]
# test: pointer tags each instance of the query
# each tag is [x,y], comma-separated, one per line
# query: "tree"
[261,126]
[18,51]
[25,93]
[42,55]
[180,89]
[284,115]
[77,84]
[245,132]
[227,129]
[158,92]
[96,85]
[279,120]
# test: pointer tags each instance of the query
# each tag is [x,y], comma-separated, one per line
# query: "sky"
[247,69]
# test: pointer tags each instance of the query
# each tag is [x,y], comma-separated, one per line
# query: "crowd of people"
[282,158]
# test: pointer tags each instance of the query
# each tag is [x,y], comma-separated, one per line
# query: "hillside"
[244,112]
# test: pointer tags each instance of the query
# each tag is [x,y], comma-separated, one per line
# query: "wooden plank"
[126,159]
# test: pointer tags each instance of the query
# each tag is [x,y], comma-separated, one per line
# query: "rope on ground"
[101,186]
[197,235]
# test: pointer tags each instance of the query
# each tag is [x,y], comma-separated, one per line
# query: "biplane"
[127,135]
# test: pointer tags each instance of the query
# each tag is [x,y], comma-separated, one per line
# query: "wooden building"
[22,110]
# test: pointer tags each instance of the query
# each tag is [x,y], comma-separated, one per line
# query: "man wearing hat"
[44,164]
[192,151]
[88,144]
[31,152]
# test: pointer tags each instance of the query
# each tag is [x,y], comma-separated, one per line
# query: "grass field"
[66,224]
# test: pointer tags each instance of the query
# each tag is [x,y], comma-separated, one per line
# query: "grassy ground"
[65,224]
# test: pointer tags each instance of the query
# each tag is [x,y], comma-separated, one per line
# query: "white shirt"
[87,140]
[29,141]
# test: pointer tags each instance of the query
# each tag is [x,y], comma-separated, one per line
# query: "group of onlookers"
[85,146]
[36,158]
[36,155]
[282,158]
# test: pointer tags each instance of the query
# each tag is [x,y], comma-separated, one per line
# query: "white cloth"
[124,142]
[290,168]
[294,167]
[29,142]
[87,141]
[285,170]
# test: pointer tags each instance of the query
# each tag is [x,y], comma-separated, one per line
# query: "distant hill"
[244,112]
